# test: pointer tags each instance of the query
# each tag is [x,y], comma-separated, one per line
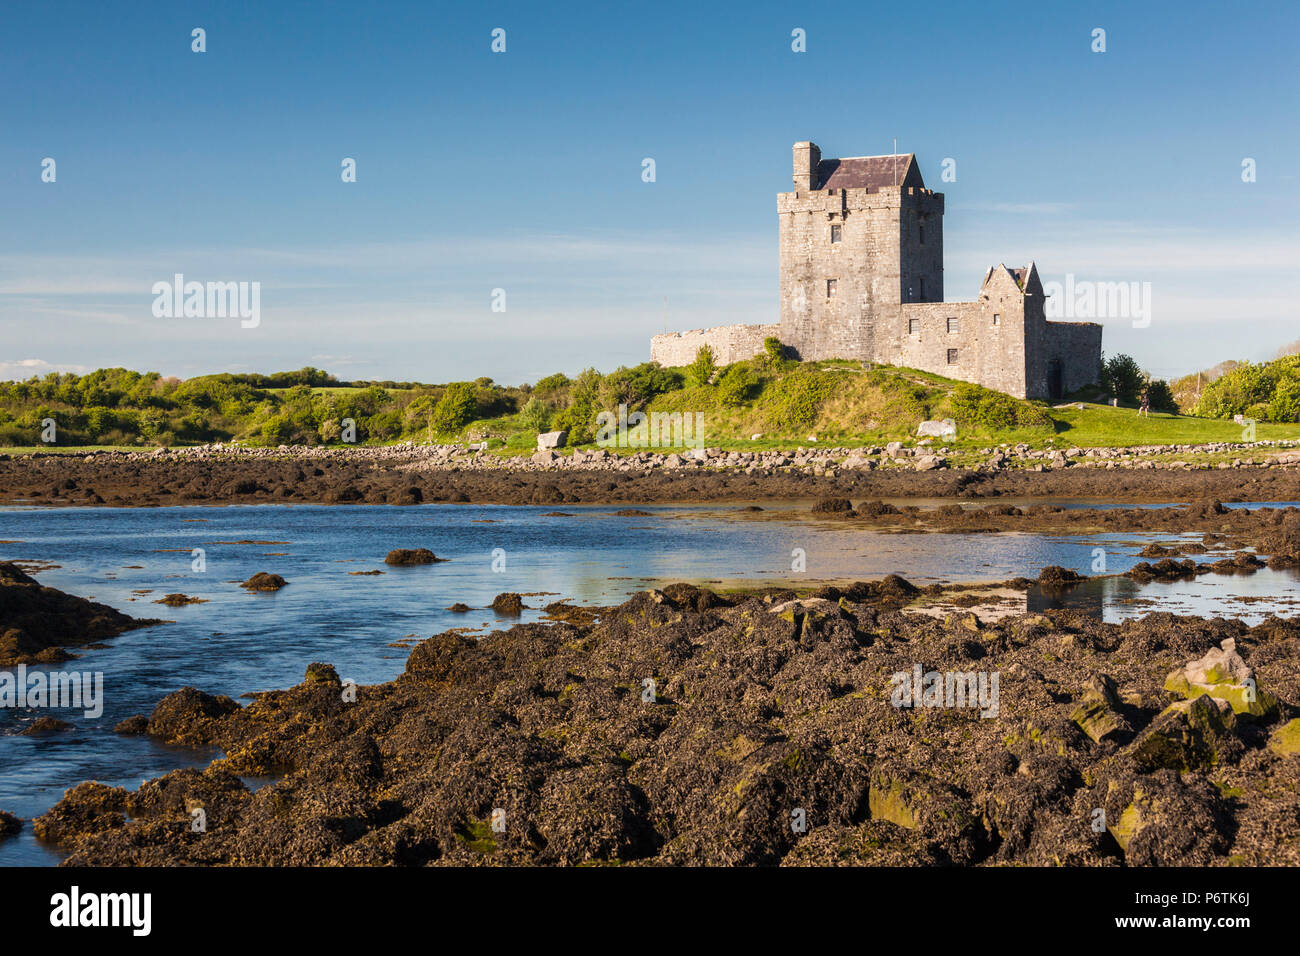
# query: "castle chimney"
[806,158]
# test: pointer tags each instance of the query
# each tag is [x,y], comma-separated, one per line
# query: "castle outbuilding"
[862,277]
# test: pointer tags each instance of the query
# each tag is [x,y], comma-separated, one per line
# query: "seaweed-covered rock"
[508,604]
[264,581]
[45,725]
[1285,740]
[408,557]
[1187,735]
[36,621]
[188,715]
[1098,714]
[9,824]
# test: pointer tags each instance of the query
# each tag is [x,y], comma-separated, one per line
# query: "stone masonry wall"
[986,354]
[730,343]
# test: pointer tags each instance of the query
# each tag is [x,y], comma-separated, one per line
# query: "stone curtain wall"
[987,354]
[730,343]
[1078,347]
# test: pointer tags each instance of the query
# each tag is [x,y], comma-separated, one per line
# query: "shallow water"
[238,641]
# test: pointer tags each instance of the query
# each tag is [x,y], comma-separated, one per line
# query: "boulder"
[1098,713]
[937,429]
[1222,674]
[552,440]
[1285,741]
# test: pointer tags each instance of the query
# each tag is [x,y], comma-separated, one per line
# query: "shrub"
[975,407]
[702,369]
[455,409]
[795,401]
[534,415]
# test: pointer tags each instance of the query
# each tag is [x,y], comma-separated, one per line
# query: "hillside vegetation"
[765,402]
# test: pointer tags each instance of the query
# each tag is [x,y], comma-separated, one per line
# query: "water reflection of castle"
[1092,596]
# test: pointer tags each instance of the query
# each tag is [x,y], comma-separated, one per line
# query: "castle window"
[921,281]
[997,319]
[913,326]
[953,326]
[952,356]
[836,232]
[830,287]
[921,231]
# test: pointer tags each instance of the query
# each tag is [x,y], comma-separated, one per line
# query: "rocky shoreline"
[688,727]
[412,474]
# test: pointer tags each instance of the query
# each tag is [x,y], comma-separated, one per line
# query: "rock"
[1098,714]
[1054,578]
[9,824]
[45,725]
[36,621]
[1188,735]
[406,557]
[1285,741]
[186,716]
[546,456]
[179,600]
[132,726]
[262,581]
[1222,674]
[833,506]
[552,440]
[937,429]
[930,462]
[508,604]
[318,673]
[459,608]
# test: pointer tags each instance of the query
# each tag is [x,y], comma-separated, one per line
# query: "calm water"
[240,641]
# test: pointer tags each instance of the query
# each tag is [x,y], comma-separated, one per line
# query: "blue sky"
[522,171]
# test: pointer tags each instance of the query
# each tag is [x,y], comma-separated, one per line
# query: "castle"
[862,278]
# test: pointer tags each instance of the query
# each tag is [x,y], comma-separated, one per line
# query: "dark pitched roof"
[871,172]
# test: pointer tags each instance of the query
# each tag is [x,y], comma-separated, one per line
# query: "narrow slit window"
[913,326]
[837,233]
[952,356]
[830,287]
[997,319]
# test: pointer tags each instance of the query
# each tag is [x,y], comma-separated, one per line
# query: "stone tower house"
[861,244]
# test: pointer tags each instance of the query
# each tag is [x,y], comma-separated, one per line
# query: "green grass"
[1101,426]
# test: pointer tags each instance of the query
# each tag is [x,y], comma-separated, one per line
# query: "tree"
[1161,396]
[535,415]
[702,369]
[455,409]
[1122,377]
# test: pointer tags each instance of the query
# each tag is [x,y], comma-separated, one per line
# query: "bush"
[535,415]
[794,402]
[456,408]
[974,407]
[702,369]
[736,385]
